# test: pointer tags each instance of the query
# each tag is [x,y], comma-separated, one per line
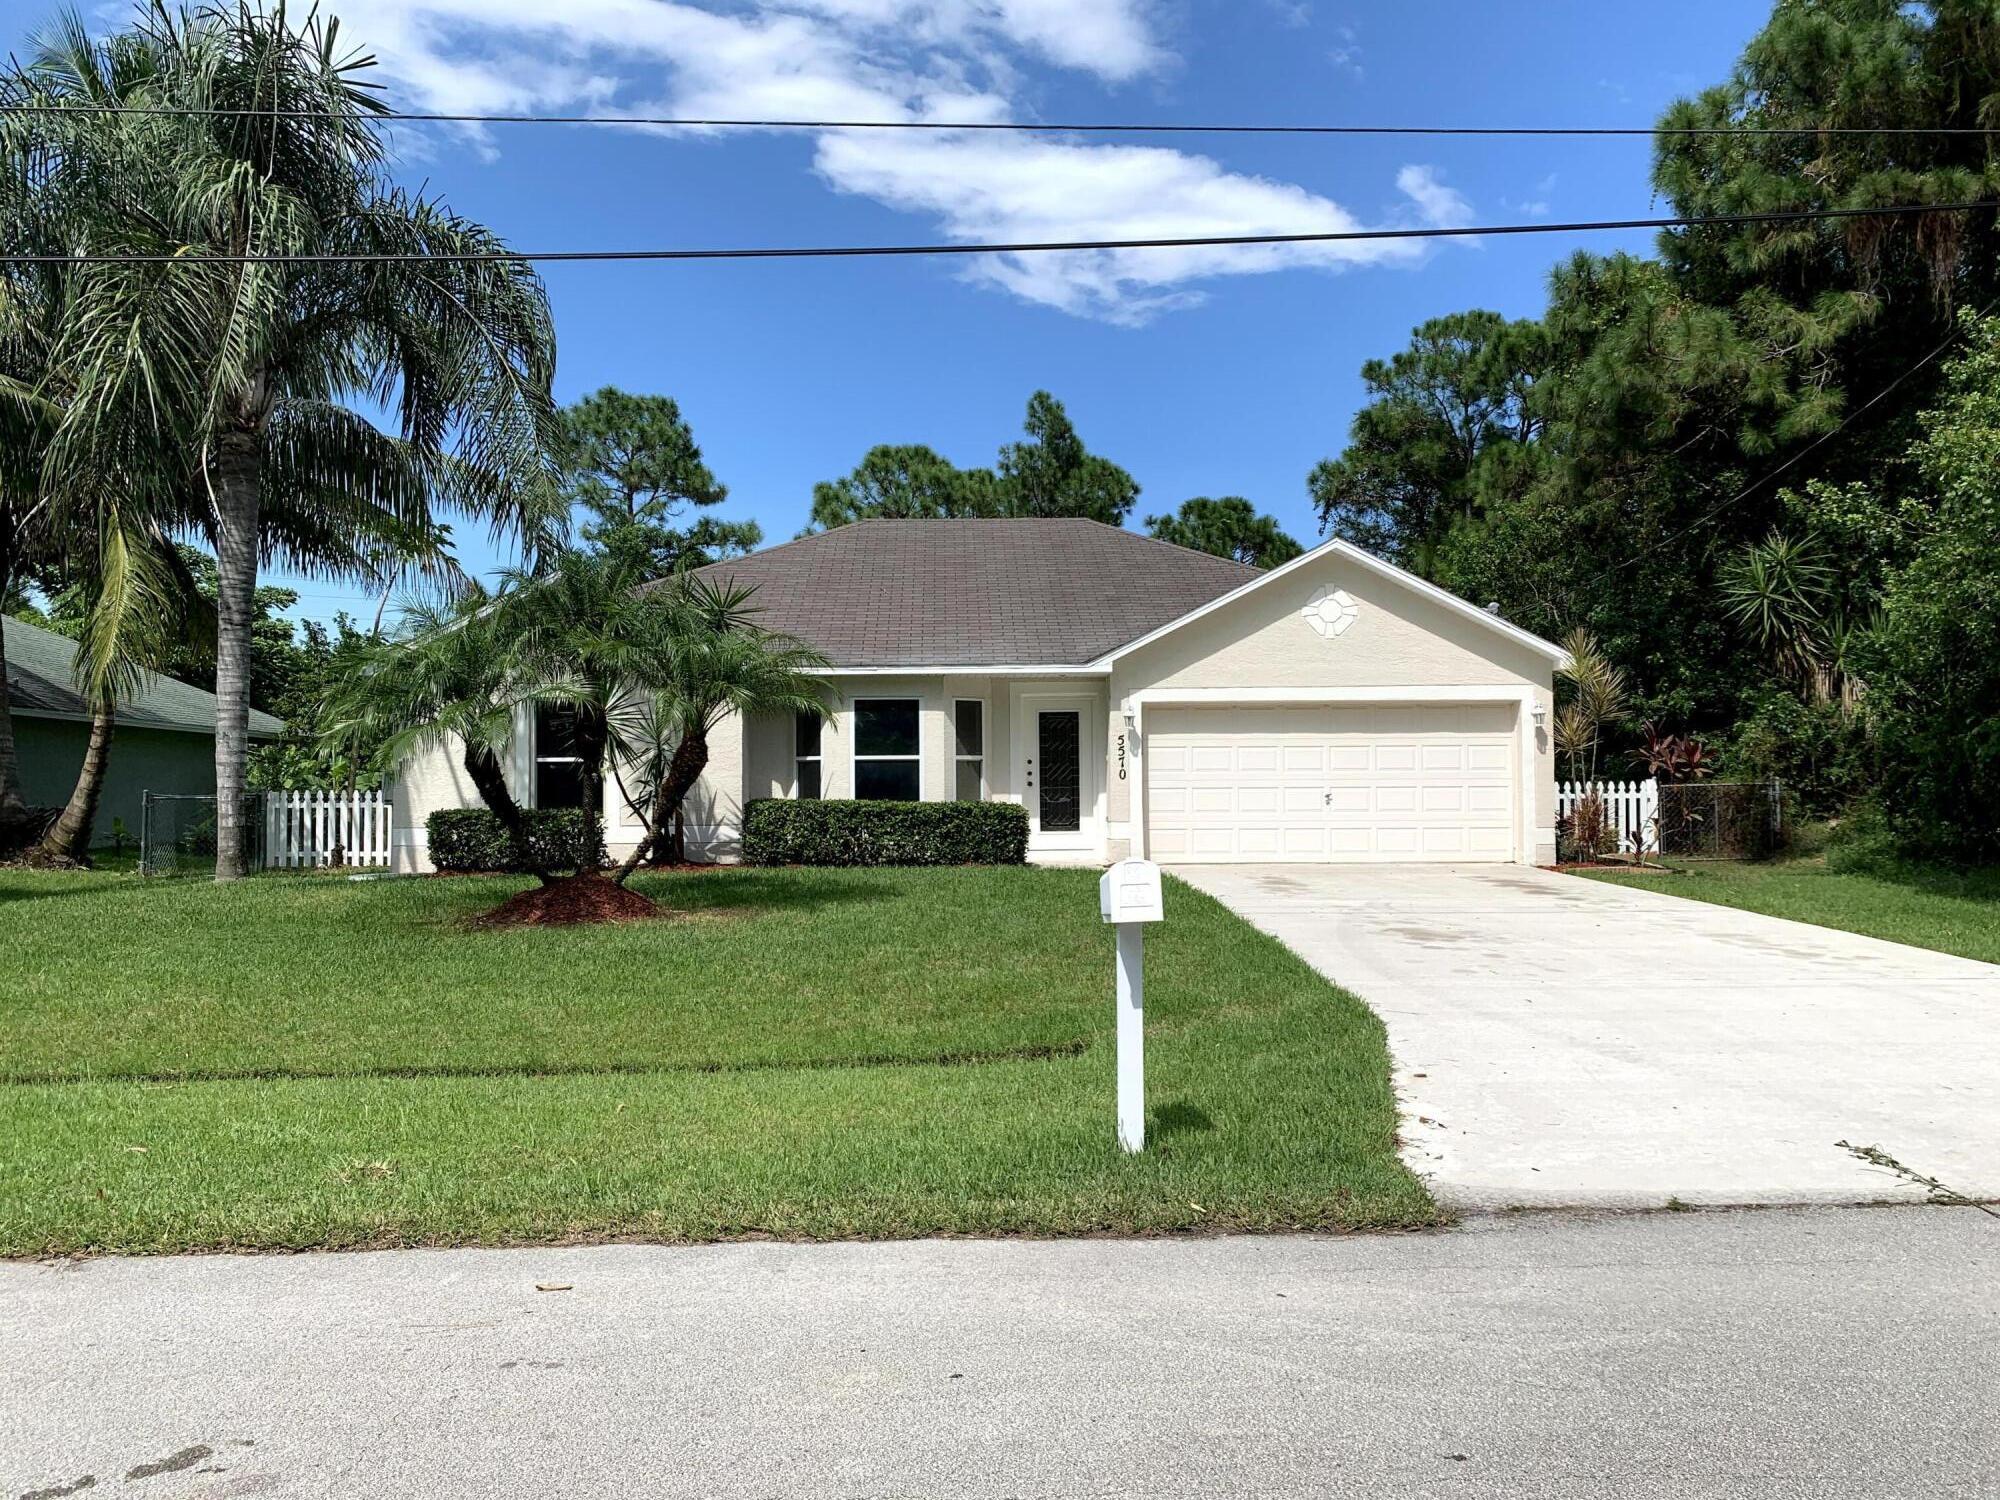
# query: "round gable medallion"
[1331,612]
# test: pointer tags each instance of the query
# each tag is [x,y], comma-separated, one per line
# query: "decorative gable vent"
[1331,612]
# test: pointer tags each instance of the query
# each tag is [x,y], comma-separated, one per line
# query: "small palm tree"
[141,605]
[707,659]
[445,680]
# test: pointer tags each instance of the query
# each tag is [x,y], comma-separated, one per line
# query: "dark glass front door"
[1059,769]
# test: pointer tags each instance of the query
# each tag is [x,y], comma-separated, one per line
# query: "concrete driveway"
[1561,1041]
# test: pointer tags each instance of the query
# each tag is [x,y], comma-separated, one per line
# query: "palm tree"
[444,680]
[710,659]
[140,604]
[242,350]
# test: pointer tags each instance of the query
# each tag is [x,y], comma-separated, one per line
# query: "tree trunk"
[68,838]
[690,760]
[235,484]
[15,825]
[483,766]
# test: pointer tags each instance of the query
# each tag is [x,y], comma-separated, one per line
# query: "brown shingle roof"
[41,679]
[972,593]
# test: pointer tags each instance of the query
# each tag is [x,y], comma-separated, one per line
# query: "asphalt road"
[1785,1352]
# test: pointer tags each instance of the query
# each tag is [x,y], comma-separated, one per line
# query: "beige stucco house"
[1135,697]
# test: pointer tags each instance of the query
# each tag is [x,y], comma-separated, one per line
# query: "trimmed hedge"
[781,831]
[465,839]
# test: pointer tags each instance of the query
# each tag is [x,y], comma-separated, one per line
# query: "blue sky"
[1223,373]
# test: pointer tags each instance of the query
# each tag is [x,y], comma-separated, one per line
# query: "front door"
[1055,769]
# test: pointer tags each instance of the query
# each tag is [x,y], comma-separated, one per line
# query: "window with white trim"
[969,748]
[888,766]
[807,728]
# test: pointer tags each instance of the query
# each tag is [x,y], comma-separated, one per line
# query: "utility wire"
[1032,127]
[1715,511]
[1017,247]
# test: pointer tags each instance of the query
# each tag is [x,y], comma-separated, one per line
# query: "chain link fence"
[177,833]
[1721,819]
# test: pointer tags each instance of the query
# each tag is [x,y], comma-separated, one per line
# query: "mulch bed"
[572,902]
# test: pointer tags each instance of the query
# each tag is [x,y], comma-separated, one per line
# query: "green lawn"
[1955,912]
[313,1061]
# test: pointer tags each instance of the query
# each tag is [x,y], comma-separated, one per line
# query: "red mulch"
[571,902]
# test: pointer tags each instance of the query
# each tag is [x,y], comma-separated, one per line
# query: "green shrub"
[471,838]
[1819,753]
[781,831]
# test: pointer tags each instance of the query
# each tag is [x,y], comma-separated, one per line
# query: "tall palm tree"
[244,349]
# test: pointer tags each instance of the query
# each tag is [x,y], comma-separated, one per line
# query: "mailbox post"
[1128,896]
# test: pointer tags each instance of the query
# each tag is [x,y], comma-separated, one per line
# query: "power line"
[1790,463]
[1031,127]
[1018,247]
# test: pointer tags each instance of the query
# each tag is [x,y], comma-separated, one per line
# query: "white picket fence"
[1630,807]
[302,829]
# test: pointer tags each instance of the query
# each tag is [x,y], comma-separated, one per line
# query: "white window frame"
[959,758]
[818,759]
[854,755]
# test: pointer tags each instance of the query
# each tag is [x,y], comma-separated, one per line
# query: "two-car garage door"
[1430,782]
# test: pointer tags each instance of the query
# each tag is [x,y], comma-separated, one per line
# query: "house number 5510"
[1121,757]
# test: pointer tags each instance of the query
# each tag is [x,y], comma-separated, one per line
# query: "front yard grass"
[297,1062]
[1952,911]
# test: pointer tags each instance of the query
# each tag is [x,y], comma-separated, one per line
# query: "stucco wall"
[1400,639]
[434,778]
[142,760]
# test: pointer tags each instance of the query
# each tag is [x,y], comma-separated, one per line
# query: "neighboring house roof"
[41,682]
[977,593]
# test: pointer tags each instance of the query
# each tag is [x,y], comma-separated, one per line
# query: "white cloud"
[902,59]
[1442,207]
[1014,190]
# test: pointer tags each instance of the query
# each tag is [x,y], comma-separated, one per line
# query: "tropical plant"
[444,680]
[1674,757]
[239,144]
[1594,698]
[710,659]
[140,607]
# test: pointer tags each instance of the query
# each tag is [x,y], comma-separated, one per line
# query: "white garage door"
[1335,784]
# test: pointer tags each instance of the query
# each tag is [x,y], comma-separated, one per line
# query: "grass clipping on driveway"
[307,1061]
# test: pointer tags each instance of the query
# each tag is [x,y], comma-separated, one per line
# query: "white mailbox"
[1130,892]
[1128,895]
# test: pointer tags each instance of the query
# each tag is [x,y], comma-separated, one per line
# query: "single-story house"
[164,742]
[1136,697]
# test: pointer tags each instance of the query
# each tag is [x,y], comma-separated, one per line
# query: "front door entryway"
[1057,770]
[1058,753]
